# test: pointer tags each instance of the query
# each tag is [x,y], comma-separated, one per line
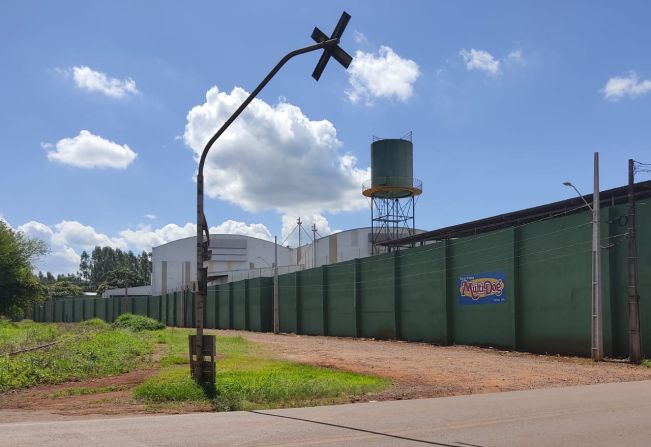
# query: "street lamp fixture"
[201,346]
[579,194]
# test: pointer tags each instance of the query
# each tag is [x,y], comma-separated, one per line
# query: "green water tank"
[392,169]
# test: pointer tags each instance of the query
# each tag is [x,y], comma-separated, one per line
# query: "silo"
[392,189]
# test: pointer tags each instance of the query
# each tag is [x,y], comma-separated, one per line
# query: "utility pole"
[634,342]
[298,251]
[597,327]
[314,244]
[275,303]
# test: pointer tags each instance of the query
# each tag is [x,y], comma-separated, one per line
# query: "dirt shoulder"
[422,370]
[417,370]
[109,396]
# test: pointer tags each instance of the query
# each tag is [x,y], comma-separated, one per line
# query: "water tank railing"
[397,182]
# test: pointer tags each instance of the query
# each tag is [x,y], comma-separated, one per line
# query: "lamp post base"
[202,365]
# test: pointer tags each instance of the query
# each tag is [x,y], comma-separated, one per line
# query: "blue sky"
[104,107]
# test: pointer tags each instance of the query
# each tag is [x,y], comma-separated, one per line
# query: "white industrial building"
[236,257]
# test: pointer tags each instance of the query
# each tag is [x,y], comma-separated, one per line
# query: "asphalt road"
[616,414]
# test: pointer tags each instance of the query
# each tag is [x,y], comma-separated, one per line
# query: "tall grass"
[89,351]
[27,334]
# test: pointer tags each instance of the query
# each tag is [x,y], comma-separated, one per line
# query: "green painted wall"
[414,294]
[422,294]
[340,299]
[239,305]
[288,303]
[310,302]
[225,307]
[377,304]
[210,319]
[481,324]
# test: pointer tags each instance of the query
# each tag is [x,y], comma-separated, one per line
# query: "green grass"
[82,351]
[646,363]
[248,379]
[27,334]
[170,385]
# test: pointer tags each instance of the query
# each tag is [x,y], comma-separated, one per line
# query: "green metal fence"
[541,302]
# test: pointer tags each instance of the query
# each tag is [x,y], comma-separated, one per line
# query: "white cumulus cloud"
[67,239]
[273,157]
[290,228]
[618,87]
[95,81]
[90,151]
[382,75]
[73,233]
[481,60]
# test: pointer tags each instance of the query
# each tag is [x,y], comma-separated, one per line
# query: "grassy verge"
[248,379]
[83,351]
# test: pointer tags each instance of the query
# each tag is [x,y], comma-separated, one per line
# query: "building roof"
[609,197]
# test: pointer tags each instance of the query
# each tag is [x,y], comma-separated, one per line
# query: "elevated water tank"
[392,170]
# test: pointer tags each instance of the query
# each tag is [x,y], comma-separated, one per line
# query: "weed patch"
[80,353]
[137,323]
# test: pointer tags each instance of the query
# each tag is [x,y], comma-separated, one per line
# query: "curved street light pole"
[201,373]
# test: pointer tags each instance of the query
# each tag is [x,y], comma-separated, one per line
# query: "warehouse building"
[235,257]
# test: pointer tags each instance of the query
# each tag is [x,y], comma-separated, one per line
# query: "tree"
[106,261]
[64,288]
[84,266]
[19,287]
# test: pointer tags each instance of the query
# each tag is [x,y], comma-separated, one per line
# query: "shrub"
[137,323]
[96,323]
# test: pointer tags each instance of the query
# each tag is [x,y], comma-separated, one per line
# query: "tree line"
[19,287]
[104,268]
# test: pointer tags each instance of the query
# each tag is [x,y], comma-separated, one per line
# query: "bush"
[137,323]
[96,323]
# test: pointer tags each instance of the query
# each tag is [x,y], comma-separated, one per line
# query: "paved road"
[594,415]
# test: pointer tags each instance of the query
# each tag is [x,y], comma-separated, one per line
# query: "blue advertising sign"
[482,288]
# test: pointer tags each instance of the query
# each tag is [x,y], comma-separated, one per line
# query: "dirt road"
[423,370]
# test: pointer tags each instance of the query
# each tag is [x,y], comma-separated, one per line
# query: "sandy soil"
[424,370]
[417,370]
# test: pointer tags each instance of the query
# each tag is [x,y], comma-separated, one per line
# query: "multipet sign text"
[483,288]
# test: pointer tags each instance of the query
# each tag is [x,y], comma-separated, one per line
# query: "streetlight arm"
[579,194]
[254,93]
